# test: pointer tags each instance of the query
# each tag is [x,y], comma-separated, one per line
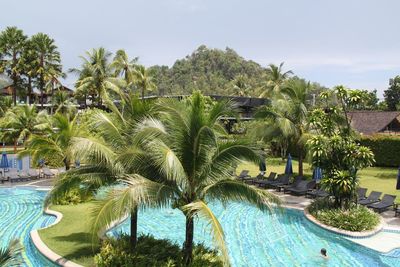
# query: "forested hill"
[213,71]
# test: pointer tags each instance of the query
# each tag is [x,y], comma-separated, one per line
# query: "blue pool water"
[21,211]
[254,238]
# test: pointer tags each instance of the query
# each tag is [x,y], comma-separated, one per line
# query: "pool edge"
[45,250]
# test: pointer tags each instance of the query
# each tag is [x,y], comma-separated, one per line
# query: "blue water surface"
[254,238]
[21,211]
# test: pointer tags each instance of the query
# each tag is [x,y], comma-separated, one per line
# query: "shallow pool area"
[282,238]
[21,211]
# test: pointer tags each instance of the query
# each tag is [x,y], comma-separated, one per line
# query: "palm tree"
[275,80]
[48,61]
[28,66]
[185,164]
[124,67]
[96,76]
[103,154]
[240,85]
[143,79]
[12,43]
[56,142]
[10,255]
[5,104]
[62,102]
[21,122]
[287,118]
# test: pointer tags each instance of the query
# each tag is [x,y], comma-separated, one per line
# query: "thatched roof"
[370,122]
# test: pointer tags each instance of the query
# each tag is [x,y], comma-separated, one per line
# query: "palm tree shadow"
[81,244]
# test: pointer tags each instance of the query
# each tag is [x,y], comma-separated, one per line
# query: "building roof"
[370,122]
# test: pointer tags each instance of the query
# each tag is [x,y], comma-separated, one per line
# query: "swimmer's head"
[323,252]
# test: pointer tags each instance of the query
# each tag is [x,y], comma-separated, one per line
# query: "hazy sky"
[350,42]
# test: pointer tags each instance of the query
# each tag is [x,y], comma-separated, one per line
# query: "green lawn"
[71,237]
[373,178]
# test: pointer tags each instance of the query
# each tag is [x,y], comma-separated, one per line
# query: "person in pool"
[324,254]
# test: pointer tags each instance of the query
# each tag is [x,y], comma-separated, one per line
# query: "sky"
[351,42]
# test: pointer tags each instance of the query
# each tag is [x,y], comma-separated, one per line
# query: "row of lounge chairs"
[299,186]
[374,202]
[23,176]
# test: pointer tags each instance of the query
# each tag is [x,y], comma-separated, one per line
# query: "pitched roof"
[370,122]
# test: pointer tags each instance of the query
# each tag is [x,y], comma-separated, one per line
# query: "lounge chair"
[284,180]
[33,173]
[317,193]
[47,173]
[269,182]
[13,176]
[372,198]
[261,179]
[24,176]
[296,181]
[386,202]
[361,193]
[396,210]
[243,174]
[302,188]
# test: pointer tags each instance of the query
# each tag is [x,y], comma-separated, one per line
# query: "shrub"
[151,252]
[385,148]
[356,218]
[73,197]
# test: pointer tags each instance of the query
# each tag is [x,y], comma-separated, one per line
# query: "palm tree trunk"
[188,245]
[133,238]
[300,150]
[66,164]
[28,100]
[14,79]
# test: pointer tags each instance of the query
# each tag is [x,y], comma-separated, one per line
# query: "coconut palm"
[10,255]
[62,102]
[5,104]
[48,61]
[57,140]
[96,76]
[240,85]
[21,122]
[114,141]
[12,44]
[184,164]
[275,80]
[28,66]
[143,79]
[286,120]
[124,67]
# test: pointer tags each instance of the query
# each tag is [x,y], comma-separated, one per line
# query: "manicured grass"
[373,178]
[71,237]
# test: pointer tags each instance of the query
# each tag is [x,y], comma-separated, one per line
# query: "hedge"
[386,149]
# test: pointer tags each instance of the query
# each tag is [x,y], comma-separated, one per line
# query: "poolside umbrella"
[289,168]
[398,180]
[317,174]
[4,161]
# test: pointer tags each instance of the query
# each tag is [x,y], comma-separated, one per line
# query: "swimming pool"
[21,211]
[254,238]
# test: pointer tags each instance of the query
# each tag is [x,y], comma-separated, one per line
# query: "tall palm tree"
[48,60]
[57,140]
[10,255]
[240,85]
[275,79]
[143,79]
[12,44]
[96,76]
[124,67]
[103,153]
[28,66]
[287,118]
[184,164]
[21,122]
[62,102]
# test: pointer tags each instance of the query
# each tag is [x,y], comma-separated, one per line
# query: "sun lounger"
[47,173]
[243,174]
[284,180]
[302,188]
[396,210]
[24,176]
[372,198]
[317,193]
[33,173]
[361,193]
[269,182]
[296,181]
[261,179]
[386,202]
[13,176]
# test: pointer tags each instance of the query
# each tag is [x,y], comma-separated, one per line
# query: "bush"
[151,252]
[356,219]
[386,149]
[72,197]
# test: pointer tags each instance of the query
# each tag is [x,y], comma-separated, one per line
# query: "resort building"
[373,122]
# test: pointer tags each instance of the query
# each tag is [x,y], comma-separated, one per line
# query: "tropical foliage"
[10,255]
